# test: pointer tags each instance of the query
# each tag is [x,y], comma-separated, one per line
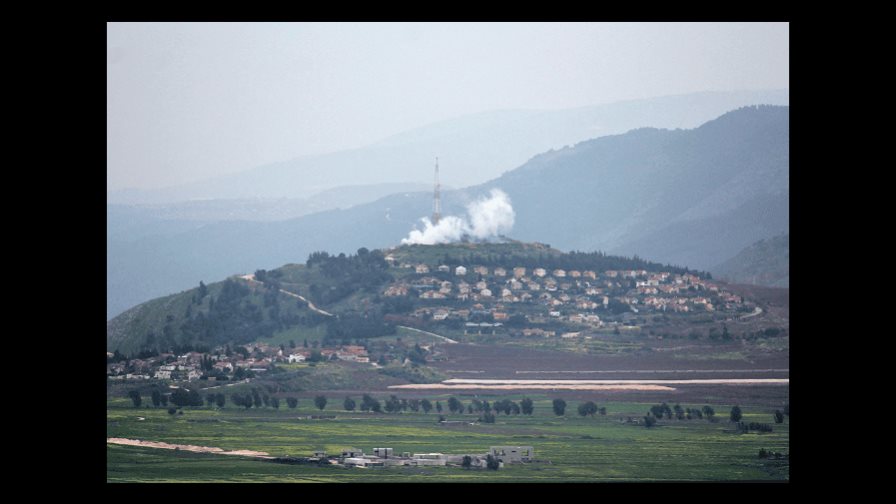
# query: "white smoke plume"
[487,217]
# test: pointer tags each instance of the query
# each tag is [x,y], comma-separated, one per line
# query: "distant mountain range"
[472,149]
[766,262]
[693,198]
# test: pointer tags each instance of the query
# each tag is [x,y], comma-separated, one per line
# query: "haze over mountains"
[473,149]
[693,197]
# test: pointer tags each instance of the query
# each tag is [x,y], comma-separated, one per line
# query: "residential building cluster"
[570,295]
[189,366]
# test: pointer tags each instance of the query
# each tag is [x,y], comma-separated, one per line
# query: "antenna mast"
[437,198]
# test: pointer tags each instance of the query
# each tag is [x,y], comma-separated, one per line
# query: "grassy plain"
[569,448]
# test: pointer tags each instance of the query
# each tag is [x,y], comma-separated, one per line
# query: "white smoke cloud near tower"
[486,218]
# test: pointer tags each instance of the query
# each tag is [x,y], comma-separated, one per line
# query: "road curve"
[251,278]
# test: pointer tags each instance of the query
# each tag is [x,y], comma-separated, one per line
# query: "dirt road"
[443,338]
[251,278]
[191,448]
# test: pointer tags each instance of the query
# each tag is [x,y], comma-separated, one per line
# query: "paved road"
[227,384]
[757,311]
[251,278]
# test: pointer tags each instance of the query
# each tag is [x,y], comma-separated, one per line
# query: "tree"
[736,414]
[256,398]
[348,404]
[321,402]
[164,399]
[602,410]
[467,462]
[220,400]
[135,398]
[454,405]
[172,411]
[439,406]
[392,404]
[488,417]
[414,404]
[156,398]
[709,412]
[275,403]
[649,421]
[779,416]
[492,463]
[185,397]
[588,408]
[292,402]
[559,407]
[203,290]
[426,405]
[679,412]
[526,405]
[209,399]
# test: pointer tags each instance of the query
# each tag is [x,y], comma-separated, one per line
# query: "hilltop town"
[486,298]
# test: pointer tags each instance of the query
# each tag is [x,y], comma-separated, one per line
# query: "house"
[534,286]
[500,316]
[500,272]
[440,315]
[396,290]
[539,272]
[559,273]
[444,268]
[589,274]
[482,270]
[222,366]
[163,374]
[516,285]
[193,375]
[460,271]
[511,454]
[481,285]
[575,274]
[519,272]
[485,293]
[296,358]
[421,269]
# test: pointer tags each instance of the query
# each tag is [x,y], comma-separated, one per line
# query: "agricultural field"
[568,448]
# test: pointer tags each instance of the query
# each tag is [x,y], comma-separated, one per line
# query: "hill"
[688,197]
[353,296]
[766,263]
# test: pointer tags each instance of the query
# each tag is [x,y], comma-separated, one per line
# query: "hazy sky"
[188,101]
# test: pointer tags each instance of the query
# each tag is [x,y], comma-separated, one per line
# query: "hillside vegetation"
[766,262]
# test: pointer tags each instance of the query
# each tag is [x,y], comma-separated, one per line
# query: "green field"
[569,448]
